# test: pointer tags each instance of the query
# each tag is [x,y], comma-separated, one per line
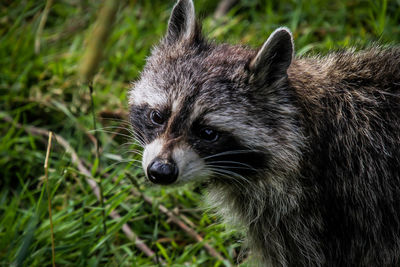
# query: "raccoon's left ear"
[182,23]
[274,57]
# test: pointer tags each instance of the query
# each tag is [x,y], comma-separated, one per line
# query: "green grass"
[43,90]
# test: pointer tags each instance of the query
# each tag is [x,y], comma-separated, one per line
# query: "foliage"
[43,90]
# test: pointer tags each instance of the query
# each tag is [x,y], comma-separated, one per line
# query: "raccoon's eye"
[209,134]
[156,117]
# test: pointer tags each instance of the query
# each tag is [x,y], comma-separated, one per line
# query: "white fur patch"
[197,109]
[144,92]
[151,151]
[175,106]
[191,166]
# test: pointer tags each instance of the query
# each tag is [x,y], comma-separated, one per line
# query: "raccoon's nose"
[162,172]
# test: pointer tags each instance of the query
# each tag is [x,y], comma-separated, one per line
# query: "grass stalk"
[131,235]
[94,51]
[103,214]
[46,174]
[89,64]
[47,46]
[189,231]
[41,25]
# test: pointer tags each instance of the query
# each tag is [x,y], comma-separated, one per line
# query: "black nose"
[162,172]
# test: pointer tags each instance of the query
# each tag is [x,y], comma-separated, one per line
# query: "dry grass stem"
[175,219]
[223,8]
[92,183]
[41,25]
[97,39]
[46,174]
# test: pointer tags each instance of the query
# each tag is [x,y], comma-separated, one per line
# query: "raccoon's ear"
[182,23]
[274,57]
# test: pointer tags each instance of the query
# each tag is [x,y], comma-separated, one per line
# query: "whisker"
[232,167]
[111,132]
[134,163]
[128,127]
[245,166]
[227,172]
[230,152]
[129,144]
[116,120]
[138,152]
[230,175]
[194,170]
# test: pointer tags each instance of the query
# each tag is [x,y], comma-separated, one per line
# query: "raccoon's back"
[359,91]
[350,110]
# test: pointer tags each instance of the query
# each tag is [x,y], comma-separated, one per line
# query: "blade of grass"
[97,161]
[46,174]
[101,32]
[192,233]
[92,183]
[41,25]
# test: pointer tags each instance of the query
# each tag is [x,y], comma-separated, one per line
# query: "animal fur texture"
[302,153]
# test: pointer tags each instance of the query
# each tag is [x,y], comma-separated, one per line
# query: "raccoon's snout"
[162,172]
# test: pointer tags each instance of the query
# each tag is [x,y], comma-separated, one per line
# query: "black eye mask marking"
[208,134]
[148,123]
[226,153]
[220,149]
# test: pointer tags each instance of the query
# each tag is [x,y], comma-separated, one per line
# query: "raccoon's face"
[192,117]
[198,113]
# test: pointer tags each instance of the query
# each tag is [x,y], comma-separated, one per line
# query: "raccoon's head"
[204,110]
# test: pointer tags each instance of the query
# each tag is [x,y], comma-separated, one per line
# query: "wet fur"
[323,139]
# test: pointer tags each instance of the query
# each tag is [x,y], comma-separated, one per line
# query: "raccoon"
[301,153]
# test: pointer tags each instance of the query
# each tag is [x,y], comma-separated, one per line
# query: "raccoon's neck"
[269,217]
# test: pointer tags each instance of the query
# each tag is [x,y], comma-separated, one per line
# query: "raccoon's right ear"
[274,57]
[182,23]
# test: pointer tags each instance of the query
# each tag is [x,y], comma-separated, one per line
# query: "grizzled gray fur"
[302,153]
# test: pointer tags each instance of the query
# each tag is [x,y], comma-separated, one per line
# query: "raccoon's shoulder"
[375,66]
[366,79]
